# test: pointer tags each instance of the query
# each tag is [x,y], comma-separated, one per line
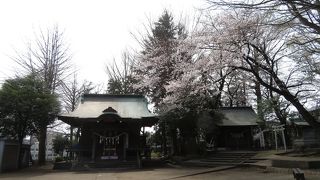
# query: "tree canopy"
[121,76]
[25,104]
[274,34]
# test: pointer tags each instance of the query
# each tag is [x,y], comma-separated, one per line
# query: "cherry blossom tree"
[241,41]
[302,16]
[155,64]
[262,51]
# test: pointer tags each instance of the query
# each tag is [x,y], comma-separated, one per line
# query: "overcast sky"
[96,30]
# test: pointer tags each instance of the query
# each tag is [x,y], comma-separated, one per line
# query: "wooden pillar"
[2,146]
[262,141]
[139,150]
[93,150]
[138,159]
[71,141]
[276,139]
[125,146]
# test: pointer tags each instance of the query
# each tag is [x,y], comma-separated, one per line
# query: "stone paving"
[165,173]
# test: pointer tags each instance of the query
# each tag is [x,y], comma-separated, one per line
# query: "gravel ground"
[153,174]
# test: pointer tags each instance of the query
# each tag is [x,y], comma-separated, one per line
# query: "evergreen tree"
[156,63]
[25,105]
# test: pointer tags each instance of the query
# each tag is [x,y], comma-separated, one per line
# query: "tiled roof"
[238,116]
[126,106]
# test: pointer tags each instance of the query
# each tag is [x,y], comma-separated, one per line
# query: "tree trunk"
[174,142]
[283,90]
[42,146]
[231,102]
[19,153]
[306,115]
[244,91]
[221,86]
[259,100]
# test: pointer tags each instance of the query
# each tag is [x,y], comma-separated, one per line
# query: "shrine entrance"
[110,146]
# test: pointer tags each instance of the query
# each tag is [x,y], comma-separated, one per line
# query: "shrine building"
[112,127]
[236,129]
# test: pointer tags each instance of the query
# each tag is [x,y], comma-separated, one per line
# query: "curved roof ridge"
[236,107]
[114,95]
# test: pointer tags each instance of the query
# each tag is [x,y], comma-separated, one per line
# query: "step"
[111,164]
[231,155]
[221,161]
[206,164]
[224,160]
[250,162]
[228,157]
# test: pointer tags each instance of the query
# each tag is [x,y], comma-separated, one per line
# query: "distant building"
[50,155]
[305,135]
[9,158]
